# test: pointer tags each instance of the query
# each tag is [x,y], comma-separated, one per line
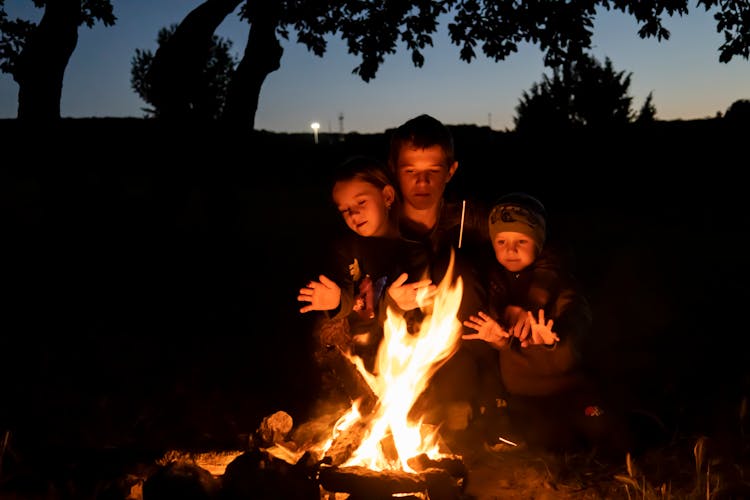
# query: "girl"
[364,262]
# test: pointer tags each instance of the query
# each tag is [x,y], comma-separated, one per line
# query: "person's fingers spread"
[525,330]
[530,318]
[421,283]
[400,280]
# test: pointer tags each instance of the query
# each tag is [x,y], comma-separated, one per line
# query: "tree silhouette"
[36,55]
[177,68]
[372,30]
[584,93]
[262,57]
[739,112]
[209,91]
[647,114]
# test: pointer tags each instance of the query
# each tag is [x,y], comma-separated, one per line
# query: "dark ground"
[150,278]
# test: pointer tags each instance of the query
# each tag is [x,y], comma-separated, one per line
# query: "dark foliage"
[739,112]
[647,114]
[585,93]
[208,93]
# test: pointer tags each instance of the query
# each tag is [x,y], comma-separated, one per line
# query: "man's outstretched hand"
[408,296]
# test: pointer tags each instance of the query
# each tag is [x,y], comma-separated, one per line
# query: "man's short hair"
[422,131]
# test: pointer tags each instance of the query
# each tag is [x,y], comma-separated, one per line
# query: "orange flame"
[405,364]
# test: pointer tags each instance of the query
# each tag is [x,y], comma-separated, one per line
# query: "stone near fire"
[275,427]
[258,476]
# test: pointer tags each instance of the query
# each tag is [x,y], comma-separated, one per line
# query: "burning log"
[453,465]
[355,386]
[346,443]
[333,340]
[361,482]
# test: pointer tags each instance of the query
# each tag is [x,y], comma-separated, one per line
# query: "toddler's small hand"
[541,332]
[487,329]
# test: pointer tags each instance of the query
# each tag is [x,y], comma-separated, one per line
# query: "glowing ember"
[404,365]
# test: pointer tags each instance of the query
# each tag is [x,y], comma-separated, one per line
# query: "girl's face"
[514,251]
[364,206]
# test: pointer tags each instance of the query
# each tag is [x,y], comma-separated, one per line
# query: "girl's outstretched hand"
[323,295]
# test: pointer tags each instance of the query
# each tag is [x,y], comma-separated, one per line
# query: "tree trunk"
[177,65]
[42,62]
[261,58]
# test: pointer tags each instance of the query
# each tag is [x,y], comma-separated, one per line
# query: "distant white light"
[315,126]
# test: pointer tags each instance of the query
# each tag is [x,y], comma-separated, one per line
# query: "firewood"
[354,384]
[347,442]
[452,465]
[363,482]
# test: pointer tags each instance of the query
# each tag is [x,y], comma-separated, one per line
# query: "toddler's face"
[514,251]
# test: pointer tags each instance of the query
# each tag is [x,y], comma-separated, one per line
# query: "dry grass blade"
[699,452]
[3,447]
[628,480]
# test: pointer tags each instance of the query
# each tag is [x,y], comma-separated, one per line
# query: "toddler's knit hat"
[519,213]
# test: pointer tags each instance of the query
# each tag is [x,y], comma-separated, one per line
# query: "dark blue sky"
[684,73]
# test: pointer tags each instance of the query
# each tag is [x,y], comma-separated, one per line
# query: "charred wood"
[364,483]
[354,384]
[367,483]
[452,465]
[347,442]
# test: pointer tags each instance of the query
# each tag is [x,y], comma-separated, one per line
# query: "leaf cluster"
[210,94]
[15,33]
[562,30]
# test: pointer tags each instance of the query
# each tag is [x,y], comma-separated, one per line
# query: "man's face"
[422,175]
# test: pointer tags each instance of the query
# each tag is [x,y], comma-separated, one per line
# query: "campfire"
[378,445]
